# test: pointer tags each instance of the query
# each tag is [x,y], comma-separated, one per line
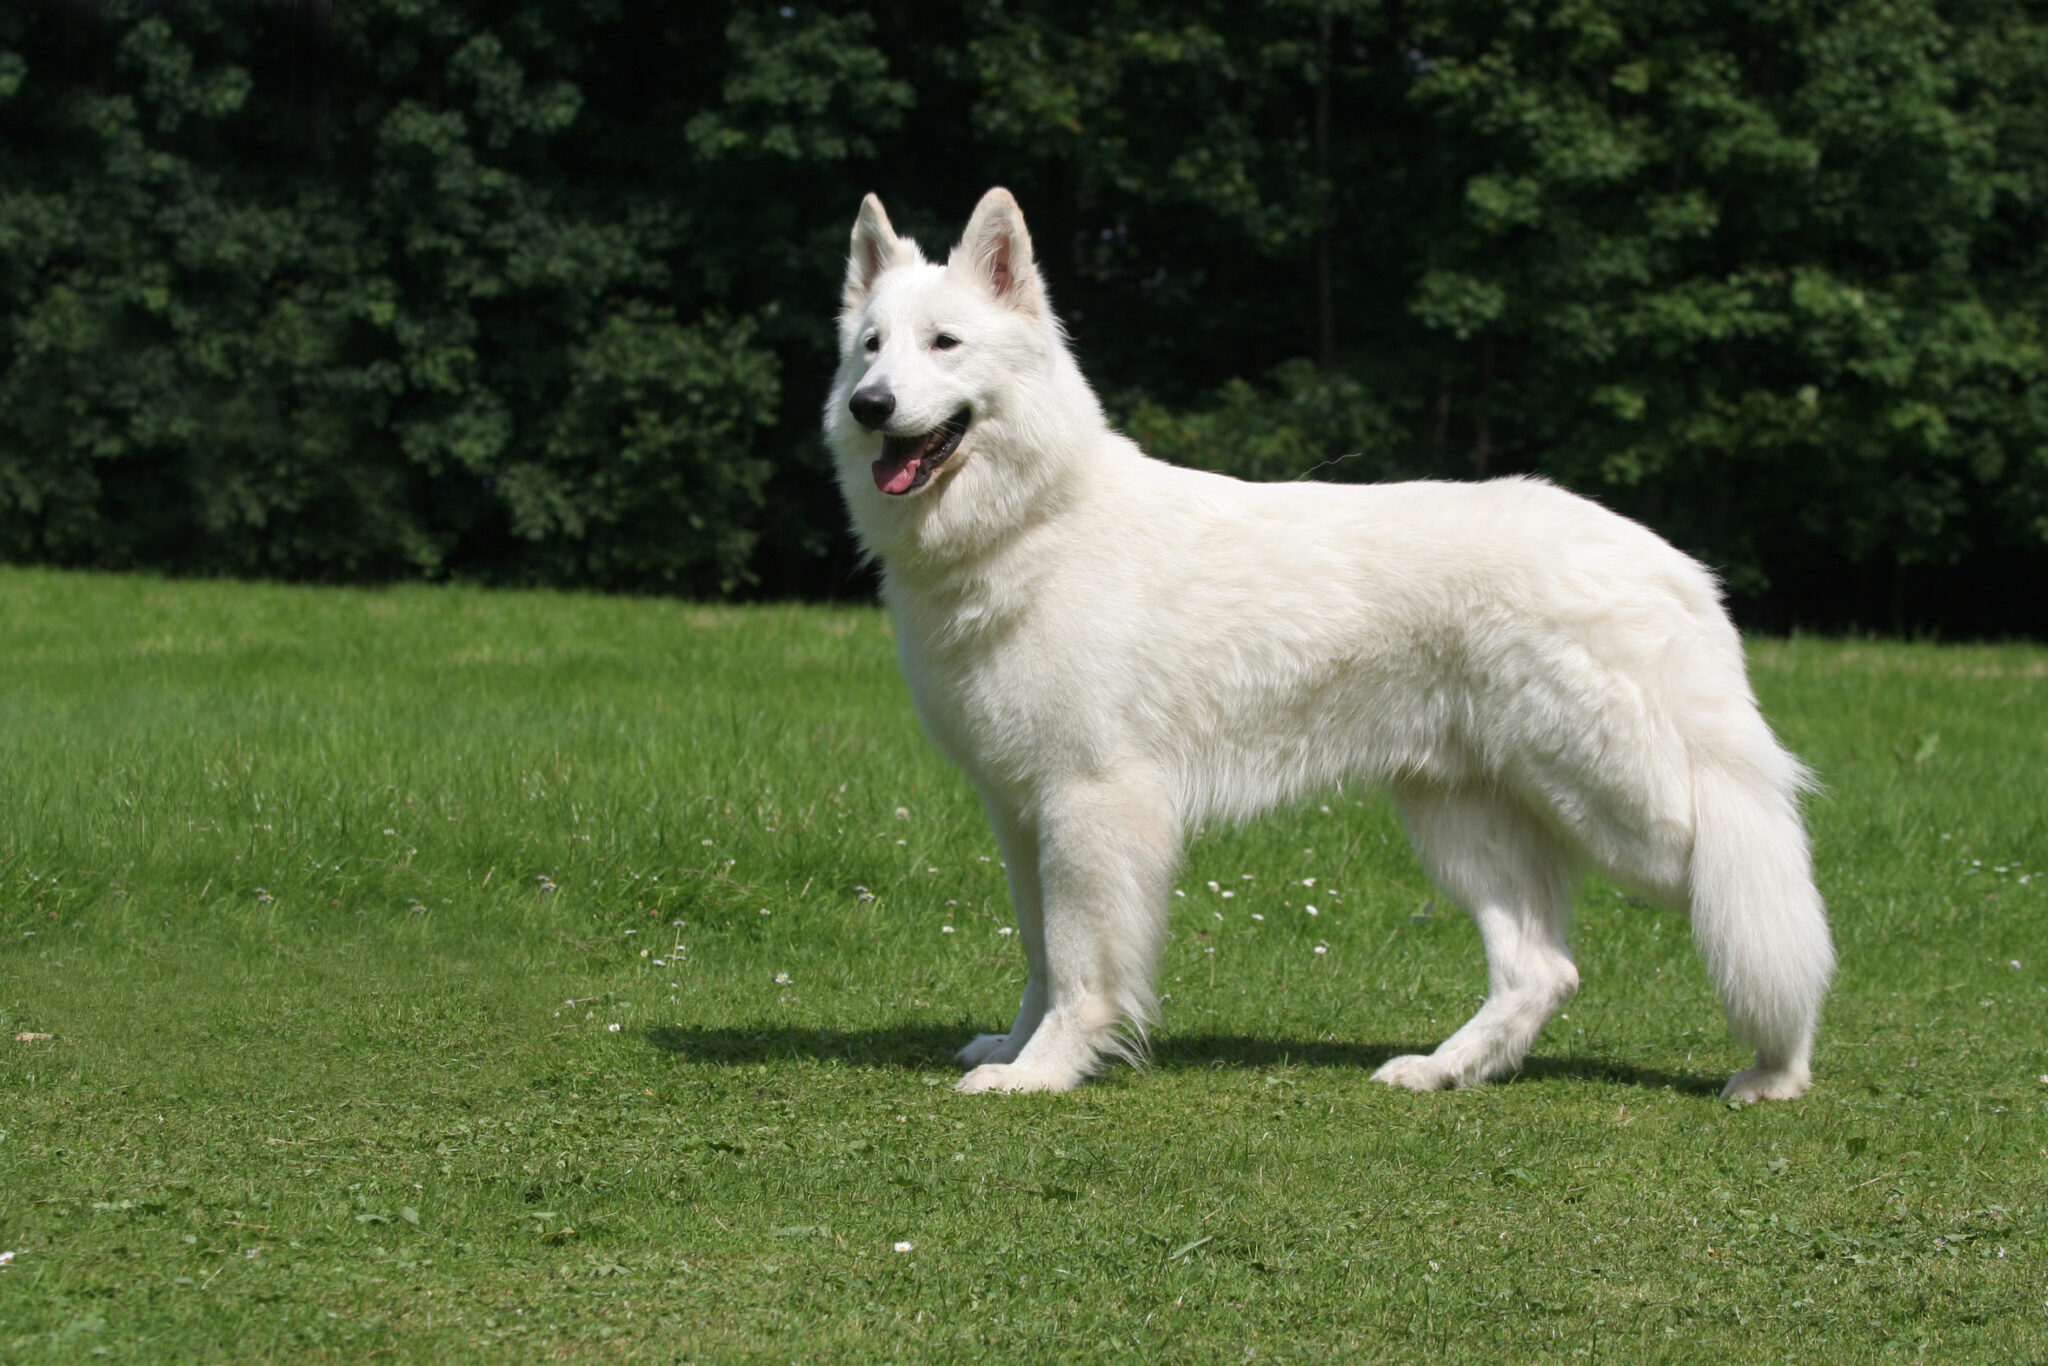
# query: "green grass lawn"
[434,975]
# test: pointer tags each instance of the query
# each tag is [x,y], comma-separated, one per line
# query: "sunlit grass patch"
[444,975]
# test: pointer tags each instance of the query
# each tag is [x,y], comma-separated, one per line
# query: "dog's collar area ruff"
[909,462]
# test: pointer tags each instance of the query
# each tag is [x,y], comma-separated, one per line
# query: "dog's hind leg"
[1018,845]
[1106,850]
[1513,877]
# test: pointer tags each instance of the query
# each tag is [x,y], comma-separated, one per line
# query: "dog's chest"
[1002,696]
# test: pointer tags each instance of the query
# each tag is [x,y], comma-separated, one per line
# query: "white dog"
[1117,649]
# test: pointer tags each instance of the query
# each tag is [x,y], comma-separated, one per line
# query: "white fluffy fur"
[1116,650]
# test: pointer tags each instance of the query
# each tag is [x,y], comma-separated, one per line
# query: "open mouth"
[909,462]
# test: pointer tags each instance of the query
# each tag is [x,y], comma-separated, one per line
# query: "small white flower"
[1308,882]
[1257,916]
[1007,929]
[5,1258]
[1311,910]
[704,842]
[1228,895]
[782,979]
[945,929]
[2014,965]
[613,1028]
[902,813]
[1215,886]
[389,831]
[900,1247]
[1178,892]
[1322,948]
[766,911]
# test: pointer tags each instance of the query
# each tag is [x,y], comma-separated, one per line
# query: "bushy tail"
[1756,915]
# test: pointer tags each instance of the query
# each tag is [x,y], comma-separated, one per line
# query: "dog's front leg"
[1018,844]
[1106,850]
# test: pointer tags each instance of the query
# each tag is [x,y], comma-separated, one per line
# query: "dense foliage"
[540,291]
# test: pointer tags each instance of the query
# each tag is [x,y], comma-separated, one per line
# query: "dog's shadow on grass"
[930,1048]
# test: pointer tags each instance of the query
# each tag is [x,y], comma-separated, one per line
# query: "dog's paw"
[1008,1076]
[1765,1083]
[1417,1072]
[980,1049]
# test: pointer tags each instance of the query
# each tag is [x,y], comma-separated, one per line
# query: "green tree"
[543,291]
[420,333]
[1761,274]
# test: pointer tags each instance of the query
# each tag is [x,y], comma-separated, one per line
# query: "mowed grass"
[435,975]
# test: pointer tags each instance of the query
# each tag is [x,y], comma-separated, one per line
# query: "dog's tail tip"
[1756,914]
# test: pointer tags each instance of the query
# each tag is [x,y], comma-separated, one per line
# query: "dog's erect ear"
[996,250]
[876,247]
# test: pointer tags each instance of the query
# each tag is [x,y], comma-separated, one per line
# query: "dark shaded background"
[541,293]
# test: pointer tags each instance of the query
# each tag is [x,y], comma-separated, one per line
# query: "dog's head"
[931,357]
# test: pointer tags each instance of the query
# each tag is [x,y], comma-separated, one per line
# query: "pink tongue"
[896,476]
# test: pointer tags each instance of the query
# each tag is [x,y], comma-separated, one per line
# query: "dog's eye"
[942,342]
[872,345]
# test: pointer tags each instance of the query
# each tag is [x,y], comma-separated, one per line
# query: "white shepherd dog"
[1116,650]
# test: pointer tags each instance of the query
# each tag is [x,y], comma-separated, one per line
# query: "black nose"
[871,406]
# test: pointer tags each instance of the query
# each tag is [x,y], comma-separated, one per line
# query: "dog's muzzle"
[909,462]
